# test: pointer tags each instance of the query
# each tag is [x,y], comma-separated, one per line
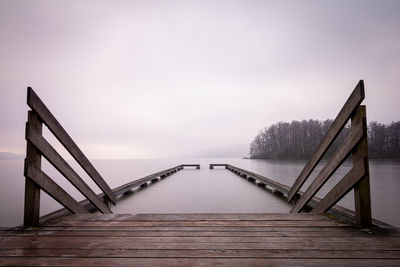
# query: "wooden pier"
[323,234]
[199,240]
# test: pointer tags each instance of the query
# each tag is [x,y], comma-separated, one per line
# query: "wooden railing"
[357,178]
[36,179]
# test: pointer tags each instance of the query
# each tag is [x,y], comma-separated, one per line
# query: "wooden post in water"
[362,196]
[33,158]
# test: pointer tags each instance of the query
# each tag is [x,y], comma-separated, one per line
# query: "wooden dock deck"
[200,240]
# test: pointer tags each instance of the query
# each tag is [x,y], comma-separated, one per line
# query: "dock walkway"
[199,239]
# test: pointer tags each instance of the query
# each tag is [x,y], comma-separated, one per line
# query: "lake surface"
[195,191]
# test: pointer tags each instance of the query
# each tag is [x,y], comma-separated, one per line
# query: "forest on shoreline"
[299,139]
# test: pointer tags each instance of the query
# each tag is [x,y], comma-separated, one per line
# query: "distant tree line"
[299,140]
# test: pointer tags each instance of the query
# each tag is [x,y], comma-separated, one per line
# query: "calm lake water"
[195,191]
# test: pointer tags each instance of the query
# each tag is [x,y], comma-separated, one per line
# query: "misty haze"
[199,132]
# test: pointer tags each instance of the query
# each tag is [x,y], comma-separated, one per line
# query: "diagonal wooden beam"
[342,187]
[351,104]
[65,169]
[338,157]
[54,190]
[36,104]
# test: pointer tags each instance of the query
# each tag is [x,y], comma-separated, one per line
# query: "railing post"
[362,196]
[107,201]
[33,158]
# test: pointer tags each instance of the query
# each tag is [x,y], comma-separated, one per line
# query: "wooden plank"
[33,158]
[36,104]
[335,228]
[89,232]
[197,223]
[204,253]
[334,162]
[200,217]
[362,195]
[356,97]
[341,188]
[48,185]
[124,241]
[104,243]
[43,261]
[65,169]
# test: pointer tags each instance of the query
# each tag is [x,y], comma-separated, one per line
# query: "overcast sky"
[161,79]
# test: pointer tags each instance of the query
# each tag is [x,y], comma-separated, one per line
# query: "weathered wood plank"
[230,241]
[43,261]
[197,223]
[362,195]
[199,217]
[33,158]
[342,187]
[299,243]
[125,240]
[334,162]
[356,97]
[48,185]
[65,169]
[204,253]
[200,228]
[36,104]
[54,232]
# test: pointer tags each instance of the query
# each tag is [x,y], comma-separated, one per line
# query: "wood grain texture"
[65,169]
[362,195]
[55,191]
[331,166]
[200,240]
[356,97]
[33,158]
[179,261]
[36,104]
[341,188]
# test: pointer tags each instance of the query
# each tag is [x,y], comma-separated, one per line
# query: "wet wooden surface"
[199,239]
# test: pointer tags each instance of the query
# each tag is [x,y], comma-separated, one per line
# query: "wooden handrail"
[349,107]
[335,161]
[37,180]
[36,104]
[357,178]
[65,169]
[54,190]
[341,188]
